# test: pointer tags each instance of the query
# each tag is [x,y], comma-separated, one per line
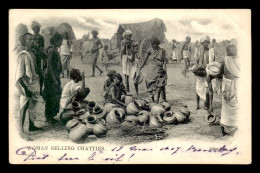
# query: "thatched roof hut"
[155,27]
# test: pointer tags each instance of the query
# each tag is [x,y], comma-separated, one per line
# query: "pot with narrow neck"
[166,106]
[75,106]
[114,117]
[91,106]
[90,121]
[154,122]
[158,109]
[78,133]
[71,124]
[132,108]
[99,130]
[99,112]
[129,99]
[181,118]
[169,117]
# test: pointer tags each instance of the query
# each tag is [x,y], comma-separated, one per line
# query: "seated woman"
[117,91]
[73,91]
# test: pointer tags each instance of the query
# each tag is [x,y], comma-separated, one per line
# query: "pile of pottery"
[84,121]
[140,112]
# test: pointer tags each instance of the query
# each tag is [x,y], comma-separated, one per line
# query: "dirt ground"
[179,91]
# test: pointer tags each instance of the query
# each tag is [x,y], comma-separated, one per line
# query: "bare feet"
[198,107]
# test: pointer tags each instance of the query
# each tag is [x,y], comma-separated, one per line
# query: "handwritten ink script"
[122,153]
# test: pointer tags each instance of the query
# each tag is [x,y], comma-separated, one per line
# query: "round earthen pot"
[80,112]
[75,106]
[180,117]
[91,106]
[131,118]
[185,111]
[169,117]
[158,117]
[132,108]
[166,106]
[129,99]
[66,116]
[99,130]
[154,122]
[158,109]
[71,124]
[99,112]
[78,132]
[121,110]
[144,112]
[211,118]
[142,119]
[108,107]
[114,117]
[90,121]
[84,116]
[141,103]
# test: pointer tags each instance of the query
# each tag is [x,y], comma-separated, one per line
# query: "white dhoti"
[174,57]
[201,87]
[229,111]
[186,54]
[126,65]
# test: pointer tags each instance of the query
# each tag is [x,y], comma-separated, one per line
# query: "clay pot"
[158,117]
[185,111]
[142,119]
[154,122]
[166,106]
[158,109]
[128,99]
[108,107]
[66,116]
[71,124]
[114,117]
[84,116]
[78,132]
[91,106]
[143,112]
[169,117]
[99,112]
[211,118]
[132,108]
[141,103]
[121,110]
[80,112]
[99,130]
[180,117]
[75,106]
[131,118]
[90,121]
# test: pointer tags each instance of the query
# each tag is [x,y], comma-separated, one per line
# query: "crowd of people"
[42,63]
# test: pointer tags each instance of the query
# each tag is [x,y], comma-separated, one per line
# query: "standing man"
[185,53]
[65,54]
[47,39]
[27,82]
[174,53]
[38,48]
[95,52]
[126,56]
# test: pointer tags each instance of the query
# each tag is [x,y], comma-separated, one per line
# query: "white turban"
[126,33]
[204,38]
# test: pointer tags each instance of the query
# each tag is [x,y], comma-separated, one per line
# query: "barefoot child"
[161,82]
[108,82]
[117,91]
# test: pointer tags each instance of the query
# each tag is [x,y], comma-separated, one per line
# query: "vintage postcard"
[130,86]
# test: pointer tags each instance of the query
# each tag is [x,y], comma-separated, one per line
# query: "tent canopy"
[154,27]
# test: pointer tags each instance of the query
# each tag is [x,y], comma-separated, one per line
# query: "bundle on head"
[200,72]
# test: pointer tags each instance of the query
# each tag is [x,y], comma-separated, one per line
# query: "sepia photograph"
[130,86]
